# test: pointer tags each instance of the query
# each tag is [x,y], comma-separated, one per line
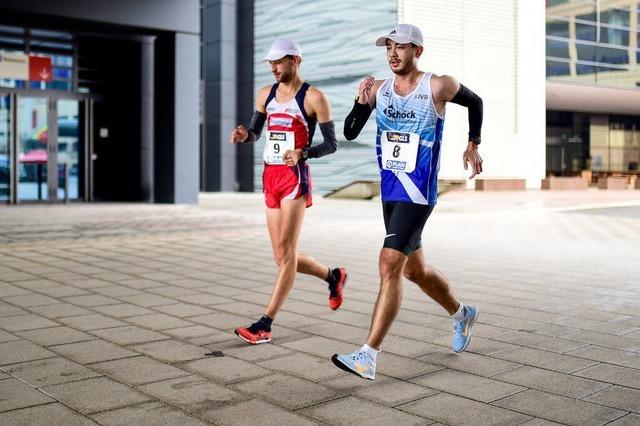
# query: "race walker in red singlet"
[290,109]
[288,127]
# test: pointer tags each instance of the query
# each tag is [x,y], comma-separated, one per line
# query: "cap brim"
[382,41]
[273,57]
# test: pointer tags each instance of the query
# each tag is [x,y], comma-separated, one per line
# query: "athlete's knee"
[413,273]
[285,256]
[391,263]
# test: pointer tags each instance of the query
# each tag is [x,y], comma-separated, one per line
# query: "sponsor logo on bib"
[279,121]
[396,165]
[277,136]
[397,137]
[390,112]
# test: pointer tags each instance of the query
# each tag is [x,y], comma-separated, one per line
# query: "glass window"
[617,17]
[4,149]
[614,36]
[590,17]
[558,48]
[558,28]
[594,69]
[610,55]
[586,52]
[586,32]
[50,34]
[556,2]
[557,68]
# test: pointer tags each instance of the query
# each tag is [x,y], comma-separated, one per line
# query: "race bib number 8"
[276,145]
[399,151]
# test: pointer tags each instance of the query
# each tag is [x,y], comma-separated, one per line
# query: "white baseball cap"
[403,34]
[281,48]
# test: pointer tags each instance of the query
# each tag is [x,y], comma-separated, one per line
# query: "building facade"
[502,62]
[593,87]
[99,101]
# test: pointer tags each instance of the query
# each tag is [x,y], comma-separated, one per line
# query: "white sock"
[459,315]
[373,353]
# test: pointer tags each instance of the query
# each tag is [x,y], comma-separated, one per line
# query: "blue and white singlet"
[408,143]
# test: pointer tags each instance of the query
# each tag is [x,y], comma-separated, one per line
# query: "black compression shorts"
[404,222]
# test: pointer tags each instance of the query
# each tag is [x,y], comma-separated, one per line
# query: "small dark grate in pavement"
[216,354]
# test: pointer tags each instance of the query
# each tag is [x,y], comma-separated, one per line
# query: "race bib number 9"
[399,151]
[276,145]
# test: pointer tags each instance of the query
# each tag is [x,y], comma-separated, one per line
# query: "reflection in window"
[615,17]
[558,28]
[586,32]
[557,68]
[558,48]
[594,69]
[614,36]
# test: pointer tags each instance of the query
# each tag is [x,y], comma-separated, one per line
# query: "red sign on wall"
[39,68]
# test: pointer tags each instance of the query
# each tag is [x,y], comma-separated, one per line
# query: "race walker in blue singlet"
[409,109]
[408,143]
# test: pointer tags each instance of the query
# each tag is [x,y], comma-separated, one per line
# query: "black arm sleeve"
[473,102]
[255,127]
[356,120]
[329,145]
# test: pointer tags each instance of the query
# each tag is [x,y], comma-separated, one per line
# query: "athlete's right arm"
[240,134]
[362,107]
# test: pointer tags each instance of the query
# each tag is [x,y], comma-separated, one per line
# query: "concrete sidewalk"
[123,314]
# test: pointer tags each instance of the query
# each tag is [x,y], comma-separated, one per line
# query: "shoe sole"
[257,342]
[344,284]
[473,321]
[341,366]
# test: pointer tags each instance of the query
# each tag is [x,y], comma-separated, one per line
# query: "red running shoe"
[335,297]
[260,336]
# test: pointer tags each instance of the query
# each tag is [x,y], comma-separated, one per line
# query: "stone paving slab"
[194,394]
[552,381]
[468,385]
[384,390]
[628,420]
[560,409]
[150,414]
[138,370]
[93,351]
[91,322]
[15,394]
[54,336]
[170,350]
[451,409]
[629,377]
[25,322]
[93,395]
[21,351]
[128,335]
[288,391]
[344,410]
[108,311]
[45,415]
[61,310]
[50,371]
[262,413]
[617,397]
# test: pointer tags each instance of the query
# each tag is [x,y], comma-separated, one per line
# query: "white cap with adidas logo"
[403,34]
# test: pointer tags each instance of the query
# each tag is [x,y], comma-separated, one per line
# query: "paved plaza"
[123,314]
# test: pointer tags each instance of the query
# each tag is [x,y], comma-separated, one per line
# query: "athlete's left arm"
[317,105]
[449,90]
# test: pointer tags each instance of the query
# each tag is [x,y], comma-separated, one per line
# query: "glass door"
[33,149]
[70,149]
[5,143]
